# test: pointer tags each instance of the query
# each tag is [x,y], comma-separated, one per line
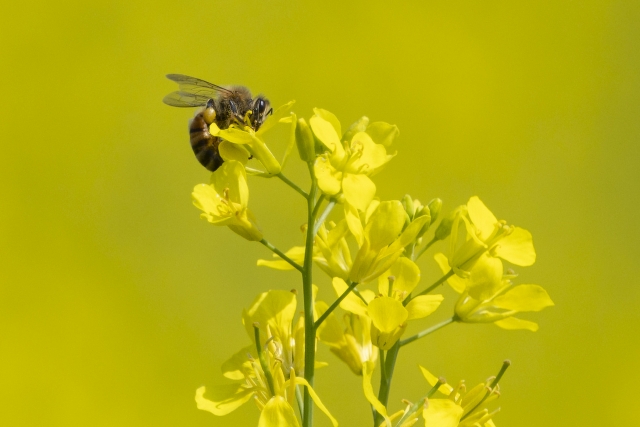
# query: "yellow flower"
[485,233]
[388,315]
[348,164]
[488,296]
[273,388]
[330,252]
[239,136]
[352,344]
[383,241]
[460,408]
[224,201]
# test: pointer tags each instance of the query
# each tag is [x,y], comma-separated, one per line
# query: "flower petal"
[385,224]
[358,190]
[224,398]
[367,372]
[406,274]
[517,248]
[331,118]
[524,298]
[230,151]
[432,380]
[387,313]
[511,323]
[326,133]
[441,413]
[481,217]
[296,254]
[231,180]
[329,178]
[423,305]
[316,399]
[278,413]
[238,365]
[353,222]
[368,156]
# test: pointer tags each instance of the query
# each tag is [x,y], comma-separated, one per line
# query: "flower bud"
[444,228]
[425,211]
[407,204]
[435,206]
[359,126]
[305,141]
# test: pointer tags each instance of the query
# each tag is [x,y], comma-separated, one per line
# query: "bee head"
[261,109]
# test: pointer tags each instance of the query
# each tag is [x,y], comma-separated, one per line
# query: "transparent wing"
[193,92]
[185,99]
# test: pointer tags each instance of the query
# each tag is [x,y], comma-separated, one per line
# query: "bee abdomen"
[204,145]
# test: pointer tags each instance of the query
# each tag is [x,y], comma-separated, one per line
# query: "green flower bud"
[358,126]
[444,228]
[435,206]
[425,211]
[305,141]
[407,204]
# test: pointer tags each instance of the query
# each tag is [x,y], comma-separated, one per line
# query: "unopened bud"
[425,211]
[359,126]
[305,141]
[444,228]
[407,204]
[435,206]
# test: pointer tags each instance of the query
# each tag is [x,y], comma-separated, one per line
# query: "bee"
[222,106]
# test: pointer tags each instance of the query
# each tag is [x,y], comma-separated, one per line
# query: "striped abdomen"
[204,145]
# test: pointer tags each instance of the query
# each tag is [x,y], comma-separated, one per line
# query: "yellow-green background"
[117,302]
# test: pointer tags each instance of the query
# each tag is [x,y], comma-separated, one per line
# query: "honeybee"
[224,106]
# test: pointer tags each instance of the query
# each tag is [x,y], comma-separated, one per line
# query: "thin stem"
[316,208]
[416,406]
[430,288]
[307,280]
[292,185]
[299,400]
[494,383]
[334,305]
[263,360]
[385,383]
[427,246]
[323,217]
[282,255]
[427,331]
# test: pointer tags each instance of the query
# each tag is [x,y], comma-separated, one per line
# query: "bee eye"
[234,109]
[261,106]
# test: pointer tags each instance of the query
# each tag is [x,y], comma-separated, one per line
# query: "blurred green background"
[117,301]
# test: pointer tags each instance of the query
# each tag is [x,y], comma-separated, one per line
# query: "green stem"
[494,383]
[316,208]
[430,288]
[299,400]
[292,185]
[334,305]
[427,331]
[427,246]
[418,405]
[385,381]
[307,290]
[263,360]
[282,255]
[323,217]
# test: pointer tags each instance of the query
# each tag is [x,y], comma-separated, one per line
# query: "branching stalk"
[282,255]
[335,304]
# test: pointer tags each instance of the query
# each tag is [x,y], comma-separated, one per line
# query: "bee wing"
[186,99]
[193,92]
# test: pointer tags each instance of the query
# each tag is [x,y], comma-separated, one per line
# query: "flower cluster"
[369,249]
